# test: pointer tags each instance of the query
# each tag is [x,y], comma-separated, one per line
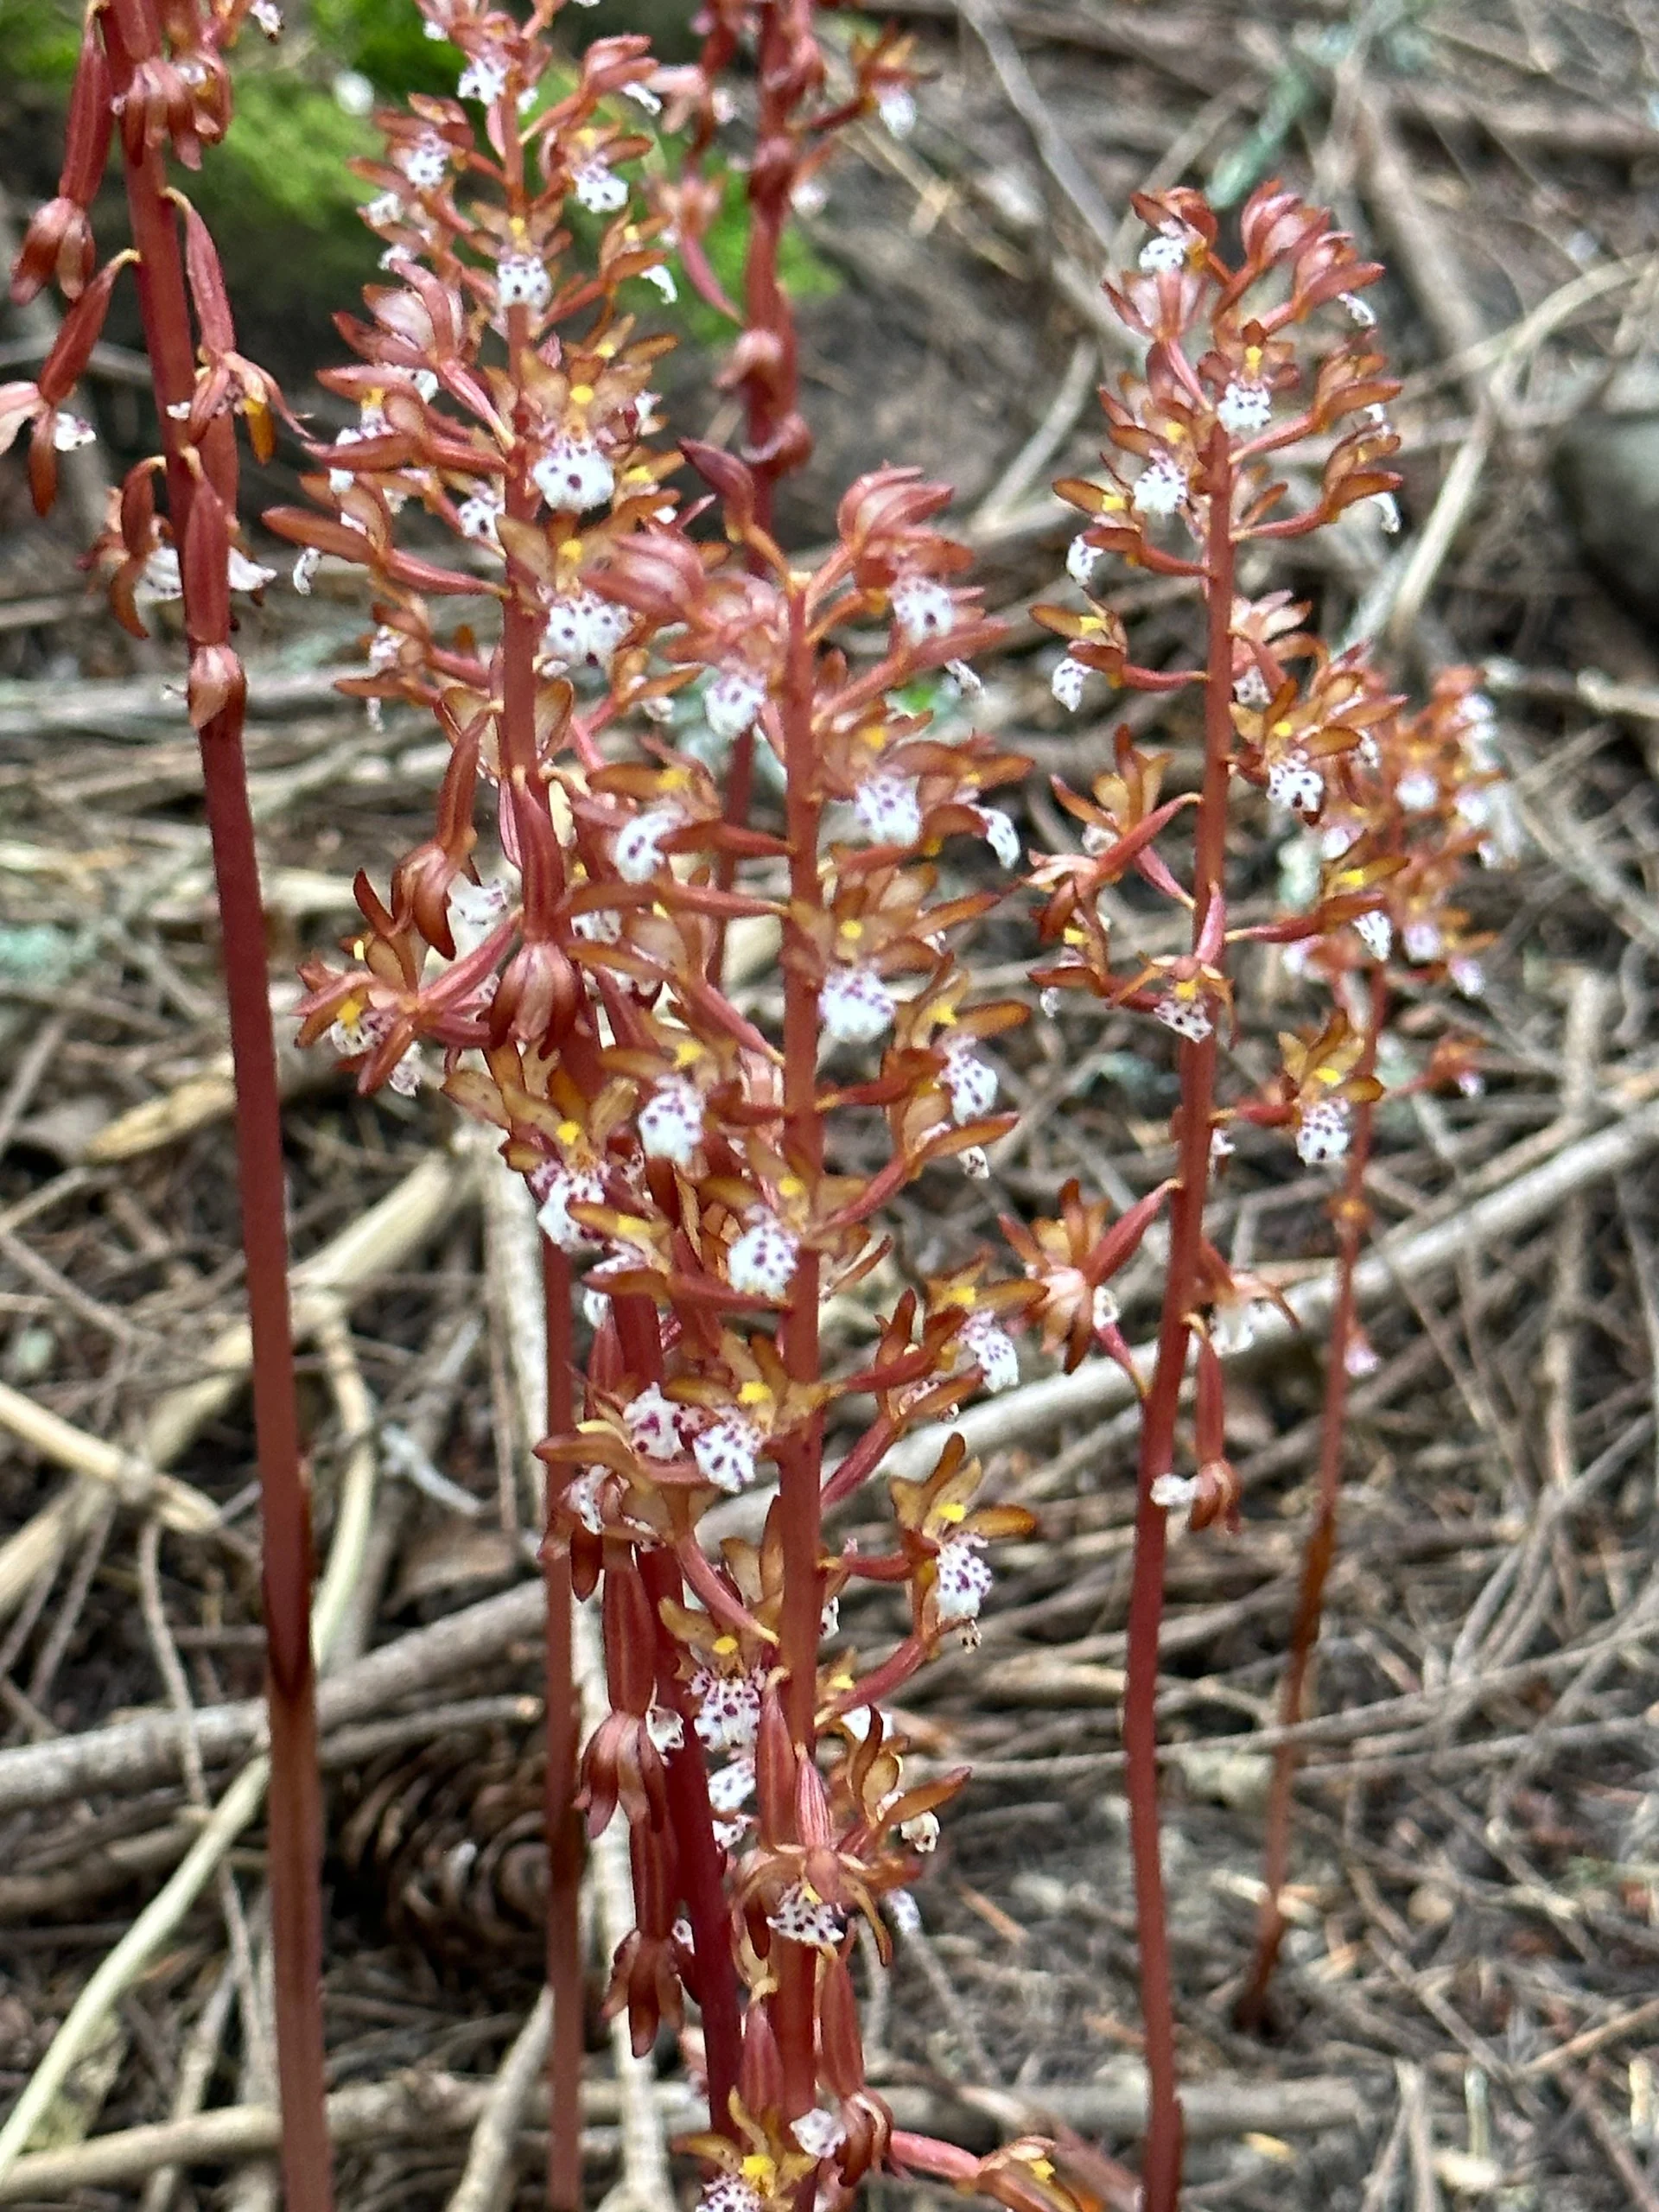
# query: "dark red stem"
[1162,2166]
[564,1829]
[1353,1218]
[294,1818]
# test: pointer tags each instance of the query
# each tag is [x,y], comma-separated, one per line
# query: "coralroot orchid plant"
[552,955]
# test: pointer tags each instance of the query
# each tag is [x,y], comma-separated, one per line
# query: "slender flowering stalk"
[551,963]
[1429,798]
[1228,349]
[166,85]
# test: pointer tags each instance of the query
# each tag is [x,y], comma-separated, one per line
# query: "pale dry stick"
[1646,1264]
[1644,2196]
[178,1689]
[1582,1044]
[1379,2183]
[1420,2135]
[195,2072]
[513,1243]
[1070,397]
[1395,601]
[1100,1387]
[373,1244]
[240,1804]
[1053,149]
[487,2178]
[428,2104]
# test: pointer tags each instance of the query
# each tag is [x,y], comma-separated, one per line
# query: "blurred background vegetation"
[278,195]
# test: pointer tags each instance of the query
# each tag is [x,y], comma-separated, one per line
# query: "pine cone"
[449,1842]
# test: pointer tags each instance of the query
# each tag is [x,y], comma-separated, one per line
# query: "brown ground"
[1479,1823]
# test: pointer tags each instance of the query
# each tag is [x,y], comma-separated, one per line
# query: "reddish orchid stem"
[801,1458]
[1352,1217]
[295,1815]
[1161,2166]
[564,1836]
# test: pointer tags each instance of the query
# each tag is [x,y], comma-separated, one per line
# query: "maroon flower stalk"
[175,91]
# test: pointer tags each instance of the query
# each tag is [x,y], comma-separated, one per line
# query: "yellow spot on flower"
[349,1012]
[687,1052]
[754,1393]
[789,1186]
[760,2170]
[852,931]
[580,394]
[724,1645]
[568,1132]
[962,1295]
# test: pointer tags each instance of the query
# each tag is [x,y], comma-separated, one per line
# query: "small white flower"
[599,925]
[161,578]
[558,1188]
[829,1617]
[896,105]
[904,1913]
[670,1121]
[637,851]
[522,281]
[1000,834]
[475,910]
[975,1163]
[1294,781]
[1388,511]
[1168,251]
[1359,311]
[728,1454]
[969,682]
[383,648]
[664,1727]
[1081,560]
[1417,790]
[381,212]
[595,1308]
[1422,940]
[1323,1132]
[485,78]
[732,702]
[761,1261]
[922,607]
[810,196]
[921,1831]
[572,474]
[662,277]
[731,2193]
[71,432]
[1048,1001]
[305,568]
[1244,408]
[1188,1018]
[1335,838]
[1376,931]
[1359,1357]
[598,186]
[990,1347]
[731,1787]
[1221,1147]
[480,514]
[643,97]
[1103,1307]
[728,1709]
[971,1081]
[653,1423]
[581,626]
[269,16]
[802,1916]
[855,1006]
[1160,488]
[405,1076]
[1232,1325]
[888,808]
[426,163]
[1250,690]
[247,576]
[1174,1493]
[1468,975]
[582,1498]
[963,1579]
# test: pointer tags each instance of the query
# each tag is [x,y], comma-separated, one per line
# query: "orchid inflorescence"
[569,991]
[554,956]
